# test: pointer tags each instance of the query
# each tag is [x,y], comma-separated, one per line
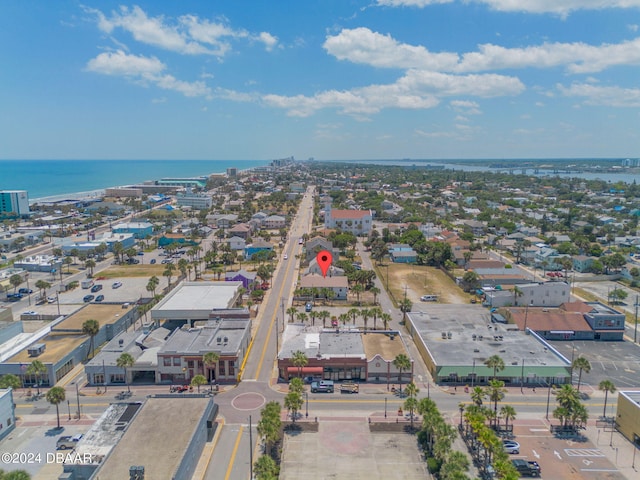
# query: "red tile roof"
[349,214]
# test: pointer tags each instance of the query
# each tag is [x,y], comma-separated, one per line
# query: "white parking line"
[583,452]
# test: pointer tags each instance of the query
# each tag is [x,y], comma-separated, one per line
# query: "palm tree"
[495,362]
[291,311]
[9,380]
[168,272]
[402,363]
[477,395]
[198,380]
[269,425]
[607,387]
[36,368]
[299,359]
[508,413]
[376,292]
[125,360]
[365,314]
[153,284]
[324,314]
[91,327]
[495,393]
[386,318]
[582,364]
[293,402]
[411,403]
[357,289]
[210,360]
[55,396]
[353,312]
[90,265]
[302,317]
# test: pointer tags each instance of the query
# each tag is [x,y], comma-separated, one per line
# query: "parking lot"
[615,361]
[566,458]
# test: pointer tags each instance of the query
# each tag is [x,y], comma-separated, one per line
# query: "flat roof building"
[456,340]
[628,416]
[192,301]
[165,435]
[14,203]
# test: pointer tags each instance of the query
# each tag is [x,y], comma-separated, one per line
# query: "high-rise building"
[14,203]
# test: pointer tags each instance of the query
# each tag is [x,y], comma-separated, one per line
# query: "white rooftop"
[195,300]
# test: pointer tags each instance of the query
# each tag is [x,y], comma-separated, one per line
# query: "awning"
[562,332]
[306,370]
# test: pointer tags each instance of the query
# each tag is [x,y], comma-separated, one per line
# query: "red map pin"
[324,259]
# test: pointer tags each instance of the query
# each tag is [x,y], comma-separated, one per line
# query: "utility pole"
[250,450]
[635,330]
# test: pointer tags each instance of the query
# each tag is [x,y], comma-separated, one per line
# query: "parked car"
[88,298]
[153,260]
[116,285]
[511,446]
[96,288]
[429,298]
[527,468]
[99,298]
[285,256]
[52,299]
[14,297]
[25,291]
[29,312]
[323,386]
[308,307]
[68,442]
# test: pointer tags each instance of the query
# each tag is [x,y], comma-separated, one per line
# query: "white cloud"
[603,96]
[144,70]
[188,34]
[361,45]
[123,64]
[364,46]
[418,89]
[559,7]
[423,133]
[269,40]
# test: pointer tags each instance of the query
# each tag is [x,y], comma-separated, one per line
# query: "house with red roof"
[357,222]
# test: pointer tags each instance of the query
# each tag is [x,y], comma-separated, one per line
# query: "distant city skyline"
[332,79]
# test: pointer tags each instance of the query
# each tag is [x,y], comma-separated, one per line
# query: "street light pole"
[306,404]
[522,378]
[385,407]
[635,331]
[78,399]
[69,409]
[548,398]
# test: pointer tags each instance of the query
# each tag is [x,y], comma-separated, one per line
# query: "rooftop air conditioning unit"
[36,349]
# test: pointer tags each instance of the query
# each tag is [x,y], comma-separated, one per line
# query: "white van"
[429,298]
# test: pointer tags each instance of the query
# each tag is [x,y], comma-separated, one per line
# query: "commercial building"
[139,230]
[571,321]
[455,341]
[40,263]
[7,412]
[533,294]
[199,201]
[342,354]
[160,439]
[62,345]
[628,416]
[193,182]
[14,203]
[190,302]
[123,192]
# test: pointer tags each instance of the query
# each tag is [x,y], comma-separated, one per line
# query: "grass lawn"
[119,271]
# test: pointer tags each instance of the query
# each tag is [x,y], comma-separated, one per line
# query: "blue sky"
[334,79]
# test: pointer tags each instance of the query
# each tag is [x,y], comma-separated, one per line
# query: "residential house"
[241,230]
[258,245]
[236,243]
[317,244]
[583,263]
[243,276]
[404,256]
[274,222]
[339,285]
[357,222]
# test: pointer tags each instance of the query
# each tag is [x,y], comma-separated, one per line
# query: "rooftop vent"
[36,349]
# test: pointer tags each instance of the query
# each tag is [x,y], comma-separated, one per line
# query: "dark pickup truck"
[527,468]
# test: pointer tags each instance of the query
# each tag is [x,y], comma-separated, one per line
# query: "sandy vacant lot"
[421,280]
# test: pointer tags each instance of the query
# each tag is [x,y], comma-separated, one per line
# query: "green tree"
[15,475]
[9,380]
[508,413]
[495,362]
[357,289]
[606,386]
[43,285]
[411,403]
[55,396]
[198,380]
[37,369]
[291,311]
[266,468]
[477,395]
[152,285]
[270,424]
[293,402]
[168,272]
[124,361]
[210,360]
[91,327]
[495,393]
[582,364]
[15,280]
[402,363]
[375,291]
[299,360]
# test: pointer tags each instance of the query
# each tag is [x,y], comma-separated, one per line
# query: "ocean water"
[52,178]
